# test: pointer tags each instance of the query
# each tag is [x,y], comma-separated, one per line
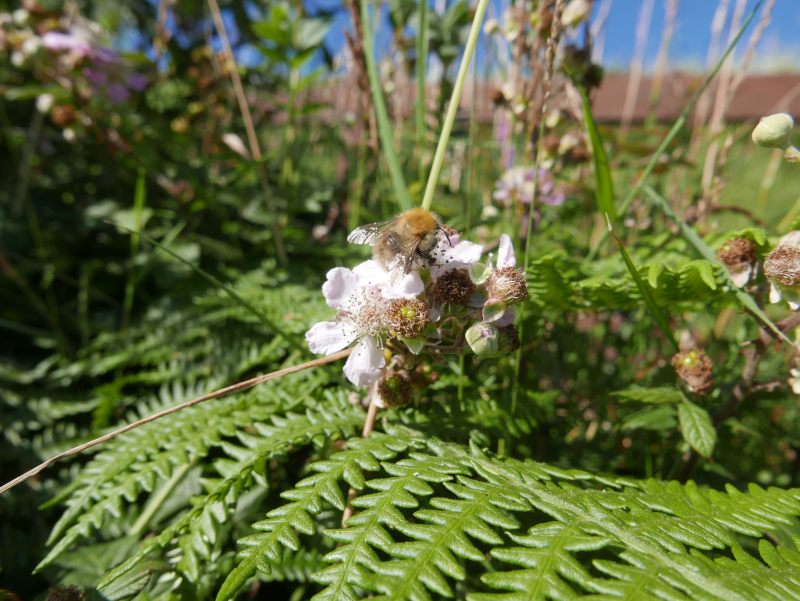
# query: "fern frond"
[191,435]
[262,551]
[411,478]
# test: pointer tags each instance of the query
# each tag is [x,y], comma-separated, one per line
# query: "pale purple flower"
[516,183]
[58,41]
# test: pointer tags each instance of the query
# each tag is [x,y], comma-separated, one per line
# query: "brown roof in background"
[757,96]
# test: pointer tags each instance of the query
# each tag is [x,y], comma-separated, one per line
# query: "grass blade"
[745,299]
[648,298]
[438,158]
[385,132]
[604,187]
[677,126]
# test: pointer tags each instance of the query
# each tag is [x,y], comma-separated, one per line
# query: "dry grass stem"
[635,75]
[206,397]
[252,139]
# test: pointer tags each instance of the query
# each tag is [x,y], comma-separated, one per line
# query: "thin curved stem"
[206,397]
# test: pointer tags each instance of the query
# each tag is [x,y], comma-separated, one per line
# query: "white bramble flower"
[372,310]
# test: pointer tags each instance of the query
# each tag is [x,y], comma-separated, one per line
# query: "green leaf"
[697,427]
[659,418]
[604,186]
[653,396]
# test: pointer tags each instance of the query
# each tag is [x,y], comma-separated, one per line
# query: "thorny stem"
[441,148]
[211,395]
[252,139]
[754,353]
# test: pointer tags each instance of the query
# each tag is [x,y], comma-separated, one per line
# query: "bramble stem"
[438,158]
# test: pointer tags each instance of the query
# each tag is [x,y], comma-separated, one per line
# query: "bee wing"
[404,260]
[368,234]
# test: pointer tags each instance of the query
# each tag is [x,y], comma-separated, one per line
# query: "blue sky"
[779,47]
[781,39]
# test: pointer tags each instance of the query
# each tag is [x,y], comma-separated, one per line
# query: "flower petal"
[370,273]
[366,363]
[505,320]
[505,254]
[411,286]
[774,294]
[328,337]
[340,285]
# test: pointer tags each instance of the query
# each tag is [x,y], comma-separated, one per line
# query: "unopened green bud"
[482,339]
[774,131]
[508,341]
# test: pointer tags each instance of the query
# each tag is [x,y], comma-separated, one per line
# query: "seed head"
[782,266]
[737,251]
[508,339]
[507,285]
[407,317]
[65,593]
[455,287]
[694,367]
[395,389]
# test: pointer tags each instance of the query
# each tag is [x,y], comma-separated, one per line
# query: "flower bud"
[508,341]
[774,131]
[482,339]
[45,102]
[576,12]
[31,46]
[21,18]
[694,368]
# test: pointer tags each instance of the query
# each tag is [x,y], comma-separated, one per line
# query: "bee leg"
[425,256]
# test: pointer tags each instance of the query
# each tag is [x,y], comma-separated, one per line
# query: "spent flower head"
[694,367]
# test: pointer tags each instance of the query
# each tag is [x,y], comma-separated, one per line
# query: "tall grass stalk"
[441,148]
[130,285]
[422,63]
[635,73]
[385,132]
[252,139]
[550,52]
[661,60]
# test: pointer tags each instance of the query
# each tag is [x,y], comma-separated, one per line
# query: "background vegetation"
[558,471]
